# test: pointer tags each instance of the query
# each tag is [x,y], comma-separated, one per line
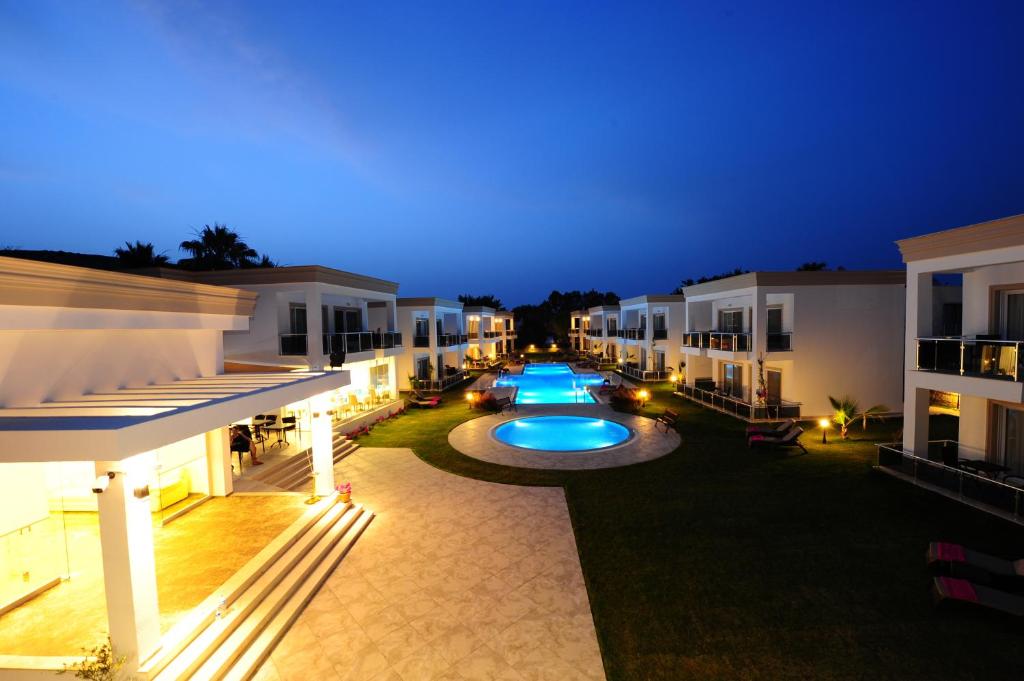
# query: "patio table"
[280,430]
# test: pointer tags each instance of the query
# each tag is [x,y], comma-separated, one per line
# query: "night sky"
[512,148]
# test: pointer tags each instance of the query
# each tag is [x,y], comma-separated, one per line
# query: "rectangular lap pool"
[554,383]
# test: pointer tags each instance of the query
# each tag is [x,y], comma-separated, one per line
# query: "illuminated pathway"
[454,579]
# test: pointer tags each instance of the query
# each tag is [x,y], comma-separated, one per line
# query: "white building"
[817,333]
[579,329]
[304,314]
[983,366]
[115,408]
[436,342]
[649,336]
[602,332]
[491,332]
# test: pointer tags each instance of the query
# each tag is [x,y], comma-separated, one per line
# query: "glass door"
[1010,438]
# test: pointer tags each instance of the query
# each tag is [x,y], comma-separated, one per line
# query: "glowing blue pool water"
[552,383]
[561,433]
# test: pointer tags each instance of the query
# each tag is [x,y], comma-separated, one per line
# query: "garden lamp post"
[824,430]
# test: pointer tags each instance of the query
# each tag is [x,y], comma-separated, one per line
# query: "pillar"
[218,462]
[129,568]
[915,421]
[315,329]
[322,451]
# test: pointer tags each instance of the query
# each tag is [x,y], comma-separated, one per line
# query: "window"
[643,321]
[474,327]
[1012,312]
[659,361]
[1009,445]
[730,321]
[423,368]
[613,326]
[297,318]
[659,321]
[774,320]
[732,380]
[347,320]
[422,326]
[380,376]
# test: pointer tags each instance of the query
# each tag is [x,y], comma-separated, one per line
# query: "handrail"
[742,407]
[361,341]
[996,358]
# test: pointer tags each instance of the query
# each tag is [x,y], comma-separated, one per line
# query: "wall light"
[141,492]
[99,486]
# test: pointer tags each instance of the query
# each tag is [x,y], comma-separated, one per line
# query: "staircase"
[295,472]
[232,633]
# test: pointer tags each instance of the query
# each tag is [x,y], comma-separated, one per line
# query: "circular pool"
[561,433]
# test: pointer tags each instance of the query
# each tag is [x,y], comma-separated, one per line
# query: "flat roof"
[983,236]
[43,284]
[603,308]
[428,302]
[116,424]
[479,309]
[648,298]
[813,278]
[291,274]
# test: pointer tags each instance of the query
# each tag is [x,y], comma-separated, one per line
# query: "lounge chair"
[769,429]
[790,439]
[951,589]
[668,420]
[422,401]
[958,561]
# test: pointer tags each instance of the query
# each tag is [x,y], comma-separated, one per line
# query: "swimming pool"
[561,433]
[551,383]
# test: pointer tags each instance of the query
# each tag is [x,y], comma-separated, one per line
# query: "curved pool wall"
[551,383]
[562,433]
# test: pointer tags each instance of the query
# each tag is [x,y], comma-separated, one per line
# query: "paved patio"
[454,579]
[474,438]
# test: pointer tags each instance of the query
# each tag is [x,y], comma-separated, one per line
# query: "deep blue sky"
[514,147]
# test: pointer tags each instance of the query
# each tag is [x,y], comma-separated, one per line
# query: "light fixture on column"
[99,486]
[141,492]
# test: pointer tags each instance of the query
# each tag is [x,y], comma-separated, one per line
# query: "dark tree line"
[535,324]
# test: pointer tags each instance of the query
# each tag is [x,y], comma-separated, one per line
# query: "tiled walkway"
[454,579]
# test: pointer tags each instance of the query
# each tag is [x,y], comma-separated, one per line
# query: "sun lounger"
[958,561]
[951,589]
[421,400]
[769,429]
[790,439]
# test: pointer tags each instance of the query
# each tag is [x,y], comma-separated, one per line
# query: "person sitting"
[241,442]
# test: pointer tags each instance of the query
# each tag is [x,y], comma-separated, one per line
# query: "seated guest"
[242,442]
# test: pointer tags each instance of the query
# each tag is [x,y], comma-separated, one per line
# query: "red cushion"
[757,437]
[960,589]
[954,553]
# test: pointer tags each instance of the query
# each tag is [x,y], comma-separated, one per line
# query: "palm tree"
[846,410]
[219,248]
[139,255]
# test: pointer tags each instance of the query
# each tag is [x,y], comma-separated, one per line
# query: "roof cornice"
[428,302]
[42,284]
[256,276]
[984,236]
[792,279]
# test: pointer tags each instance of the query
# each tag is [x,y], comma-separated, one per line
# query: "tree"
[846,410]
[483,301]
[139,255]
[813,266]
[706,278]
[219,248]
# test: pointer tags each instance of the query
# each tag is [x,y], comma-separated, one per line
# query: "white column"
[129,569]
[322,451]
[314,328]
[915,420]
[759,323]
[218,462]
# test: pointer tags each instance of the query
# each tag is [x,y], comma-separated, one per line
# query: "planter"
[345,497]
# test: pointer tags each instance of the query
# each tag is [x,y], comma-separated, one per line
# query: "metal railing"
[491,334]
[421,341]
[644,374]
[742,408]
[659,334]
[293,344]
[981,357]
[696,339]
[730,342]
[968,487]
[361,341]
[446,340]
[780,341]
[597,333]
[435,385]
[636,333]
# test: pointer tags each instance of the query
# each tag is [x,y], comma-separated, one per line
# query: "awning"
[110,426]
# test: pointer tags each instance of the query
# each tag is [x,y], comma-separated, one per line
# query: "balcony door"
[347,320]
[1009,437]
[730,321]
[732,380]
[422,327]
[773,385]
[1011,312]
[659,321]
[297,319]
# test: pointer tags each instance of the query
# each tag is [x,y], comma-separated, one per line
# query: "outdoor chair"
[506,403]
[768,429]
[790,439]
[422,401]
[668,420]
[951,589]
[959,561]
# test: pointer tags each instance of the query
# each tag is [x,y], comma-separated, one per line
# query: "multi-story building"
[965,343]
[491,332]
[307,315]
[579,326]
[602,332]
[116,409]
[504,324]
[650,335]
[766,345]
[433,331]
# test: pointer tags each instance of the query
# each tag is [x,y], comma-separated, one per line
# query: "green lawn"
[717,562]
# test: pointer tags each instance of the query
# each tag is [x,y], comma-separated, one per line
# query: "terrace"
[741,407]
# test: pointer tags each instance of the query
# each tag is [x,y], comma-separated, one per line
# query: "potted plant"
[345,492]
[99,664]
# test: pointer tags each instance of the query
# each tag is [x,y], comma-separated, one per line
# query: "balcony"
[938,474]
[447,340]
[421,341]
[780,342]
[293,344]
[978,357]
[739,407]
[696,339]
[597,333]
[491,334]
[436,386]
[645,375]
[636,333]
[360,341]
[659,334]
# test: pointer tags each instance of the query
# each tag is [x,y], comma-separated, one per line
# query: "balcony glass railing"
[780,342]
[696,339]
[981,357]
[361,341]
[421,341]
[293,344]
[434,385]
[631,334]
[446,340]
[492,334]
[740,407]
[646,374]
[659,334]
[729,342]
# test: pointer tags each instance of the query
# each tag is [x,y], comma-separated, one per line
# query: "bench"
[668,419]
[506,403]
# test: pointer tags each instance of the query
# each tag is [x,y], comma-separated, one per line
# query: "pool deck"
[475,438]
